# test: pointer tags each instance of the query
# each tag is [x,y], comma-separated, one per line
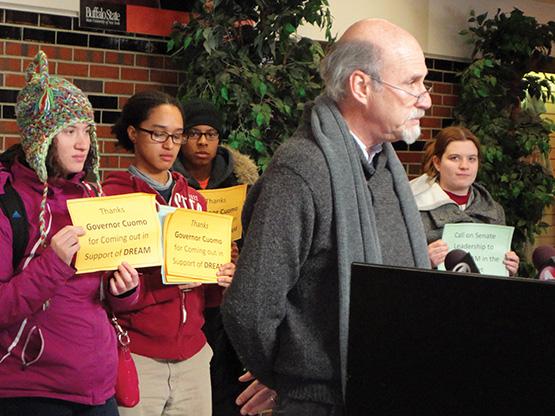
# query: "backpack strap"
[14,210]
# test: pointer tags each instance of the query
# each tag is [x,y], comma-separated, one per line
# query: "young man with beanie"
[208,165]
[203,161]
[58,353]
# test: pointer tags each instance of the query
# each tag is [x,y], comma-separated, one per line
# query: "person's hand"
[189,286]
[437,251]
[225,274]
[65,242]
[125,278]
[256,398]
[234,252]
[511,262]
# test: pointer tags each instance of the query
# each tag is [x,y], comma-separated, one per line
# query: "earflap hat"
[45,106]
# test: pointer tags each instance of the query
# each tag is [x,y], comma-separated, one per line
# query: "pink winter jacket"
[55,338]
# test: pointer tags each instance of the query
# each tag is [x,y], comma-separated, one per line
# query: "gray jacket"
[282,311]
[437,209]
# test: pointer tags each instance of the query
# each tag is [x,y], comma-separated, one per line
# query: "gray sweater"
[282,310]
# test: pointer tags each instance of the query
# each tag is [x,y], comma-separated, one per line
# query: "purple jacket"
[55,338]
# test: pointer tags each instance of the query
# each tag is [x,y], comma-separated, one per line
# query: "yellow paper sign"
[196,244]
[227,201]
[118,228]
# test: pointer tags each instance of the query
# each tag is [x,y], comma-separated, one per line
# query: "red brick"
[443,88]
[128,74]
[145,87]
[410,157]
[122,101]
[109,161]
[451,100]
[111,146]
[446,112]
[58,52]
[149,61]
[164,77]
[430,122]
[436,99]
[10,64]
[119,58]
[426,134]
[104,71]
[81,70]
[2,48]
[21,49]
[14,80]
[88,55]
[125,162]
[118,87]
[51,65]
[8,127]
[103,131]
[10,141]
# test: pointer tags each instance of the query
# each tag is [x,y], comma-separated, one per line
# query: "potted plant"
[244,56]
[515,138]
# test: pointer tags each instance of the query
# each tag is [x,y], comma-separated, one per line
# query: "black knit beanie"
[202,112]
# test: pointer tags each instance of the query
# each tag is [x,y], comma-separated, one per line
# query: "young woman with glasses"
[167,342]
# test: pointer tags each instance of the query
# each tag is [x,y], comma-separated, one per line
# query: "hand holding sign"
[118,228]
[196,244]
[65,242]
[487,243]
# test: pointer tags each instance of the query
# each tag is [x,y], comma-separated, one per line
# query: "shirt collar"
[369,153]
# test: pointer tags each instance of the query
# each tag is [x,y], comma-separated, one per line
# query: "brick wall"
[443,76]
[107,66]
[110,67]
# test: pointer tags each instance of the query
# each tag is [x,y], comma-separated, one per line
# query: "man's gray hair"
[345,58]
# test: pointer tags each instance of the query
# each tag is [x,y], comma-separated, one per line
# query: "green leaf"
[262,88]
[259,119]
[187,41]
[224,93]
[259,146]
[170,45]
[289,28]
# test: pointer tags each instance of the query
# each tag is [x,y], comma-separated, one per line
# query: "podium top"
[430,342]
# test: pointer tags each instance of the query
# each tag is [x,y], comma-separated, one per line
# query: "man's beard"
[411,134]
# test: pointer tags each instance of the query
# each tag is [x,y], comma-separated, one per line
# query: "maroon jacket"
[166,322]
[55,338]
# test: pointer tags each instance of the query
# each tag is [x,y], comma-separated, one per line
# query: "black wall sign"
[102,15]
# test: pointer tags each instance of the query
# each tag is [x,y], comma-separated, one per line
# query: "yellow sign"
[227,201]
[118,228]
[196,244]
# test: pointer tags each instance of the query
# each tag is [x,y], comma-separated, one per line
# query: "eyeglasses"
[419,97]
[211,135]
[160,136]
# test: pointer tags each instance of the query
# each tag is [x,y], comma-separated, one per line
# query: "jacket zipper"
[183,309]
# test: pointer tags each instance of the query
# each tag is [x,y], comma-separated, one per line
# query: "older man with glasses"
[333,194]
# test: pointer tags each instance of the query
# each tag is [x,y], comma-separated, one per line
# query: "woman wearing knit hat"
[167,342]
[58,353]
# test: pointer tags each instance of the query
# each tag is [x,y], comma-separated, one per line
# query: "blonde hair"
[439,144]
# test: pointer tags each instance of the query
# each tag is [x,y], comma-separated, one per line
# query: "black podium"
[428,343]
